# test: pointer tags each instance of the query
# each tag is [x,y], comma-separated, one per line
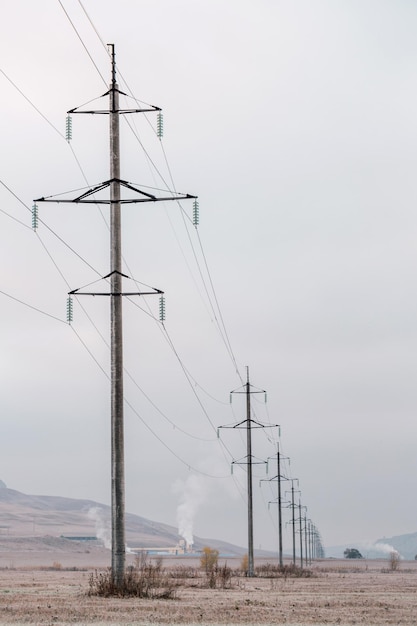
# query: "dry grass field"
[337,592]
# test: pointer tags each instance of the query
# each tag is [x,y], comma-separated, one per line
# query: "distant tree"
[352,553]
[244,564]
[209,559]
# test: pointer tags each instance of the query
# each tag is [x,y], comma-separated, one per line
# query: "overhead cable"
[82,42]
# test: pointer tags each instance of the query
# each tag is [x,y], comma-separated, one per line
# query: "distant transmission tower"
[292,506]
[249,460]
[278,478]
[115,184]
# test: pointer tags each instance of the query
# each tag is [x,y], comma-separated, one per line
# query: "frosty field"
[338,592]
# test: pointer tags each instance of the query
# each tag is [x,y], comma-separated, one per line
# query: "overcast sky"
[295,124]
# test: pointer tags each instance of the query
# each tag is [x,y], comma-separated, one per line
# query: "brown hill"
[31,518]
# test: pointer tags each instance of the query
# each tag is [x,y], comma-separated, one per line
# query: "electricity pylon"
[248,424]
[115,185]
[309,543]
[303,555]
[301,530]
[279,477]
[318,550]
[315,545]
[292,506]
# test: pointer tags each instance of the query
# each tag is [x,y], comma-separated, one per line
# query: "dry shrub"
[394,561]
[225,576]
[343,569]
[143,580]
[55,567]
[220,577]
[184,572]
[286,571]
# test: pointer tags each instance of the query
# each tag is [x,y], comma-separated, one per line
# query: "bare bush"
[394,561]
[184,572]
[143,580]
[286,571]
[220,578]
[225,576]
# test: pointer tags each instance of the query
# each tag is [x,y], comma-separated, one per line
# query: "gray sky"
[294,123]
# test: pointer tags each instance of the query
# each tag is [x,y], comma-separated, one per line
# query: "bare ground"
[339,592]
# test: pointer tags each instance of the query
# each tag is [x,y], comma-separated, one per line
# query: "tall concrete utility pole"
[310,555]
[116,342]
[305,535]
[280,555]
[293,521]
[249,478]
[301,533]
[115,184]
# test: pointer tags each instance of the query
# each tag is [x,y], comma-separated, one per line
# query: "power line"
[48,228]
[175,426]
[224,336]
[222,328]
[136,412]
[30,306]
[228,344]
[68,285]
[31,104]
[82,43]
[92,25]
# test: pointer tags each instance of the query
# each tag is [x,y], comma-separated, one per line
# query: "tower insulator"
[196,213]
[35,217]
[162,309]
[69,310]
[160,125]
[68,128]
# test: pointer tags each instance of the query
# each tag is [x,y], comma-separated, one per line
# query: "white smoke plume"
[382,548]
[385,548]
[102,525]
[193,492]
